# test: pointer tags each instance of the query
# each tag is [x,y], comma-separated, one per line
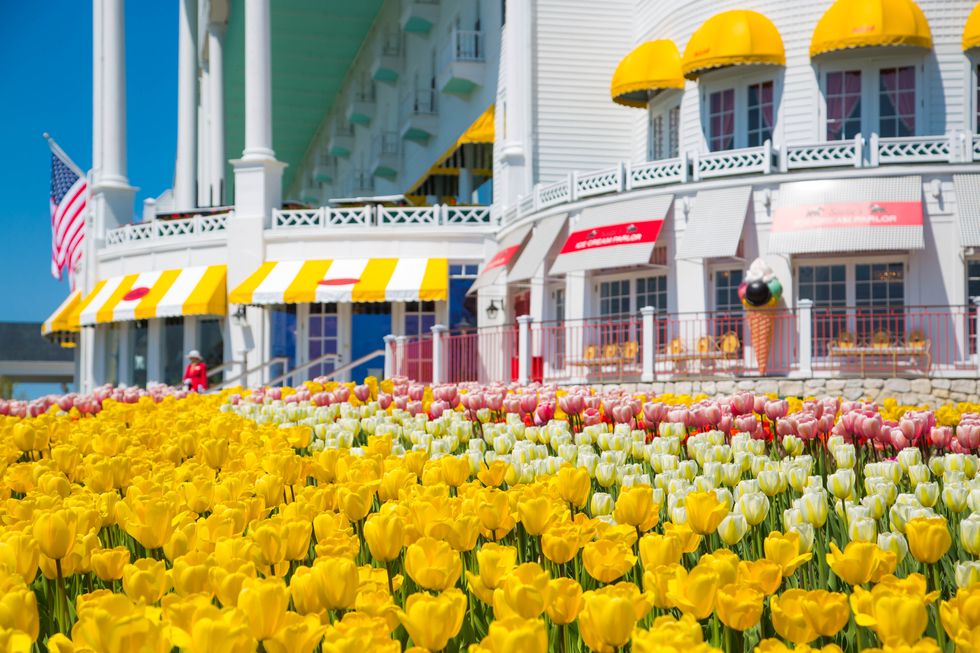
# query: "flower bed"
[391,515]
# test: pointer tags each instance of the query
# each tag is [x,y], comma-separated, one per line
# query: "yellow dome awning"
[971,33]
[870,23]
[652,66]
[733,38]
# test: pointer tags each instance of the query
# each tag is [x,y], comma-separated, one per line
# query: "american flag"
[69,195]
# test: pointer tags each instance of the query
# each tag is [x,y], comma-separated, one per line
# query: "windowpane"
[211,341]
[880,297]
[721,120]
[896,101]
[673,132]
[173,350]
[657,138]
[760,113]
[323,337]
[614,297]
[843,96]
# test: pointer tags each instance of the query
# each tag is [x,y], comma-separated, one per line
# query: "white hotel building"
[433,170]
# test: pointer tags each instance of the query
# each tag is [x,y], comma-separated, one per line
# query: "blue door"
[370,323]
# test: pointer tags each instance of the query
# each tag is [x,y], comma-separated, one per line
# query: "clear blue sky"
[46,86]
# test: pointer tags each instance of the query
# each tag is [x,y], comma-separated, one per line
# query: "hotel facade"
[485,190]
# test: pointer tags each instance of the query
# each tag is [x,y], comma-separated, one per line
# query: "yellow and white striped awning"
[161,293]
[59,321]
[346,280]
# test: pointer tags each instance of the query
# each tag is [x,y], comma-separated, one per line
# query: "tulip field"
[392,516]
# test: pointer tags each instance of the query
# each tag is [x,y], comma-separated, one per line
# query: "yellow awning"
[59,321]
[345,280]
[481,131]
[652,66]
[166,293]
[869,23]
[971,33]
[733,38]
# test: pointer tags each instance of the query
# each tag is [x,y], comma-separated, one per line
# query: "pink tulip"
[742,403]
[401,403]
[806,428]
[495,401]
[941,436]
[528,403]
[746,423]
[591,416]
[438,408]
[414,407]
[759,404]
[725,423]
[871,427]
[362,392]
[416,392]
[384,400]
[776,409]
[785,427]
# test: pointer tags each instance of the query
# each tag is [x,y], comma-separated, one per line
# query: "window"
[112,335]
[728,306]
[652,291]
[211,341]
[323,338]
[879,295]
[462,307]
[614,298]
[721,120]
[138,346]
[664,133]
[760,116]
[282,320]
[173,350]
[972,290]
[420,317]
[560,305]
[896,101]
[826,286]
[843,95]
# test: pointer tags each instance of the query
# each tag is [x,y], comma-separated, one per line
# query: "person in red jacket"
[196,374]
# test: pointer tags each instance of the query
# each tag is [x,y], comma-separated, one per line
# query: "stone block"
[726,387]
[835,385]
[874,384]
[942,384]
[966,386]
[658,387]
[909,399]
[957,396]
[709,388]
[852,394]
[791,388]
[766,386]
[896,386]
[921,386]
[854,383]
[940,393]
[683,387]
[746,384]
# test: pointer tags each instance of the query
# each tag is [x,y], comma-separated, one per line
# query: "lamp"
[493,309]
[238,318]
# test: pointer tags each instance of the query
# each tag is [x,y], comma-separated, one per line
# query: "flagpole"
[62,155]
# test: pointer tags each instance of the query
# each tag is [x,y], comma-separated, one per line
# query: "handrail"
[236,380]
[329,375]
[222,367]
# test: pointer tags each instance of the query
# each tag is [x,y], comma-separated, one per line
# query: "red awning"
[502,259]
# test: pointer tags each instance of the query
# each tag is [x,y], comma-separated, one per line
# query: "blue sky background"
[46,85]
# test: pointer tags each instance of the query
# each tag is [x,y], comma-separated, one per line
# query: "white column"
[389,356]
[216,109]
[190,334]
[524,348]
[400,343]
[805,315]
[96,87]
[976,332]
[125,368]
[258,82]
[186,170]
[438,363]
[578,307]
[649,343]
[154,351]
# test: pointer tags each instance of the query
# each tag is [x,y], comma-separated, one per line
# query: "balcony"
[341,142]
[386,155]
[325,169]
[311,194]
[196,228]
[419,121]
[361,106]
[388,59]
[384,217]
[418,16]
[461,62]
[360,184]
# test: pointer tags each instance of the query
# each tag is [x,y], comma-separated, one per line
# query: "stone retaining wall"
[931,392]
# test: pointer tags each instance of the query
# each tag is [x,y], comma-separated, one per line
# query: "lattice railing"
[912,149]
[359,216]
[298,218]
[823,155]
[414,215]
[161,230]
[609,180]
[467,215]
[734,162]
[655,173]
[556,193]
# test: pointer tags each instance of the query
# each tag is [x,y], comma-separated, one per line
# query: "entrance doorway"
[370,323]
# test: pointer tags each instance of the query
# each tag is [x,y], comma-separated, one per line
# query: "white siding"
[578,127]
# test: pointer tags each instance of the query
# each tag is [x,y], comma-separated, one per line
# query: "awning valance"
[652,66]
[167,293]
[60,320]
[733,38]
[967,189]
[481,132]
[870,23]
[536,251]
[848,215]
[715,224]
[345,280]
[971,33]
[614,235]
[507,252]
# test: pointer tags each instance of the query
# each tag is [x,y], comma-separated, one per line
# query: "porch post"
[649,343]
[438,367]
[400,342]
[154,351]
[805,316]
[389,356]
[523,348]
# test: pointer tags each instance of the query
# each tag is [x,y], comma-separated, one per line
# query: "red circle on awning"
[338,282]
[136,293]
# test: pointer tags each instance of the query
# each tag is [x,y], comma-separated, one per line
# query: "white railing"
[823,155]
[734,162]
[911,149]
[158,230]
[656,173]
[464,46]
[599,182]
[418,102]
[559,192]
[382,216]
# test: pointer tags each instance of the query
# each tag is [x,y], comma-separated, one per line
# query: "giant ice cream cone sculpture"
[760,290]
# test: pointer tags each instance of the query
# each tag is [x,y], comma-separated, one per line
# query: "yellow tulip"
[54,531]
[606,560]
[227,633]
[431,621]
[826,612]
[18,607]
[108,564]
[788,617]
[694,592]
[690,541]
[492,475]
[704,512]
[776,646]
[304,590]
[574,485]
[656,583]
[606,621]
[495,513]
[19,554]
[296,634]
[264,601]
[495,562]
[636,507]
[560,543]
[455,470]
[667,634]
[724,563]
[146,580]
[516,634]
[961,618]
[536,514]
[657,550]
[763,575]
[566,600]
[336,581]
[525,592]
[929,538]
[897,619]
[784,549]
[384,533]
[433,564]
[860,562]
[739,608]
